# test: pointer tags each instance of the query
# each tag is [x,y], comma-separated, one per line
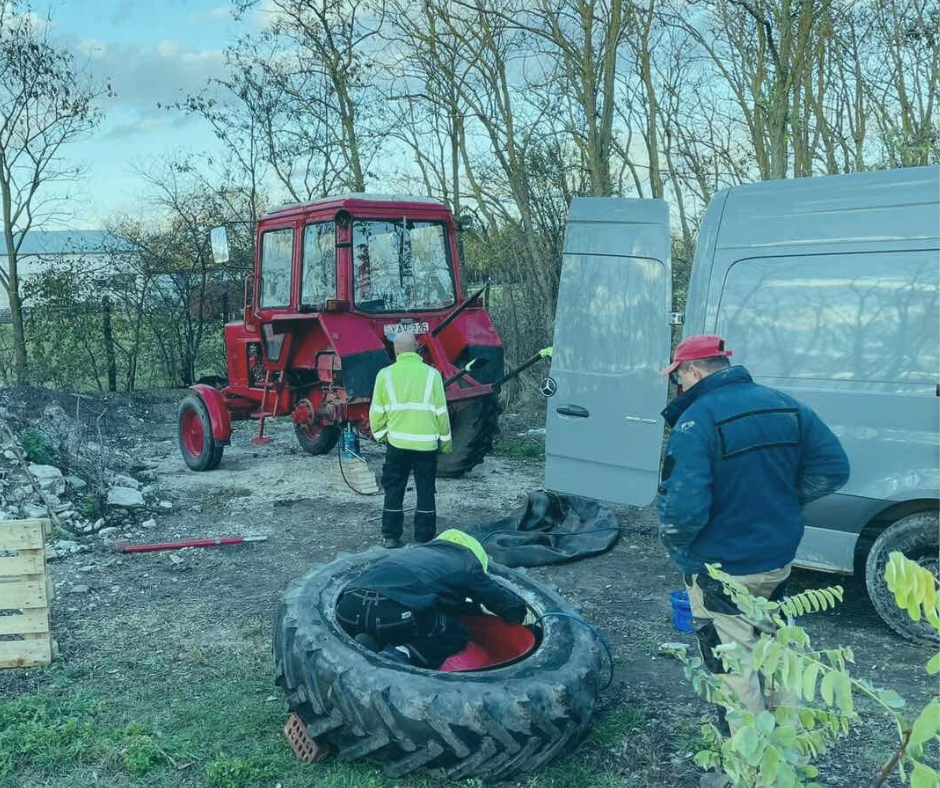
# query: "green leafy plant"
[237,772]
[36,446]
[87,507]
[777,748]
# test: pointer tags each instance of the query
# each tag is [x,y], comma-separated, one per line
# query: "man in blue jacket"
[741,462]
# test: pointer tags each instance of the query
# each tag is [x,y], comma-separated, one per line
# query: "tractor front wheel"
[316,438]
[201,452]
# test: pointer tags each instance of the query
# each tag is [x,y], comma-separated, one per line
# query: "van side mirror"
[218,238]
[465,222]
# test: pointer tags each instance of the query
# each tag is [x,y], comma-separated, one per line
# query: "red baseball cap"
[695,347]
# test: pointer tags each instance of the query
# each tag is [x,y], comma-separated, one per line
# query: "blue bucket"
[350,444]
[681,611]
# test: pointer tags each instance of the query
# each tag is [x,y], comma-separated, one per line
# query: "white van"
[825,288]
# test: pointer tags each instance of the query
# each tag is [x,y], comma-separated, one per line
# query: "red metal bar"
[127,547]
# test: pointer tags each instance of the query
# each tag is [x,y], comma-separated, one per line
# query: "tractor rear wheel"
[473,430]
[201,452]
[316,438]
[490,724]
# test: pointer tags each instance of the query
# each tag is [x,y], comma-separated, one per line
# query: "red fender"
[218,412]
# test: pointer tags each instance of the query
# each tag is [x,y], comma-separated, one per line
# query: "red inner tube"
[493,642]
[192,433]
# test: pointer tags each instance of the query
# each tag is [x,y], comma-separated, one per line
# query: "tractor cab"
[333,282]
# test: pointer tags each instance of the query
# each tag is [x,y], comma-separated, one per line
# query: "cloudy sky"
[154,51]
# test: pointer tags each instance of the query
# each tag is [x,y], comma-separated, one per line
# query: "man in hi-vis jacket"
[409,413]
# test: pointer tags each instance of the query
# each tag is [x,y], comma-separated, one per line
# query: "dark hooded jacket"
[439,576]
[741,461]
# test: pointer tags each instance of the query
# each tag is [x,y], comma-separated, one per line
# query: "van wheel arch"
[884,520]
[912,530]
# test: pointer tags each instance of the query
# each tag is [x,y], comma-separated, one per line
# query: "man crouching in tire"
[404,605]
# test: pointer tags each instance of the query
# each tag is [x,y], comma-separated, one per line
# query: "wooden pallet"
[25,594]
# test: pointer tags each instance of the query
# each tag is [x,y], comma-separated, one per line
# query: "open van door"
[612,337]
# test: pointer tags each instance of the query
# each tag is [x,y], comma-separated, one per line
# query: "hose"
[598,635]
[343,473]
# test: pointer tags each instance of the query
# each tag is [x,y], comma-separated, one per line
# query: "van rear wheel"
[917,536]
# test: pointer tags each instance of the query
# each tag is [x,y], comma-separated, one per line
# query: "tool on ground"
[123,546]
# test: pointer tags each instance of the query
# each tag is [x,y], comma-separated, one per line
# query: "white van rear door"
[612,338]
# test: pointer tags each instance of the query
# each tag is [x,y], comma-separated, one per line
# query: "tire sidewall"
[322,444]
[558,683]
[210,455]
[911,535]
[560,638]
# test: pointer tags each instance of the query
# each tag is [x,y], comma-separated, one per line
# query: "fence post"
[108,342]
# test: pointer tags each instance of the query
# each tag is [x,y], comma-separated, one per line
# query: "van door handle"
[573,410]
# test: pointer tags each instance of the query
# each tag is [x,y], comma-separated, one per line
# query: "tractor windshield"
[401,266]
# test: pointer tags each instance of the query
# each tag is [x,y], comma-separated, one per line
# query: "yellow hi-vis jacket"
[409,409]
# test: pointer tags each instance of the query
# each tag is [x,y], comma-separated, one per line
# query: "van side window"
[318,281]
[276,254]
[871,317]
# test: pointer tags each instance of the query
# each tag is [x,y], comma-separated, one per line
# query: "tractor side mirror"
[218,237]
[465,222]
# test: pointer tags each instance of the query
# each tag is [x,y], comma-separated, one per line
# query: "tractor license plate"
[393,329]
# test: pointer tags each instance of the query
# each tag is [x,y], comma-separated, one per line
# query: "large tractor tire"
[201,452]
[316,439]
[490,723]
[917,536]
[473,430]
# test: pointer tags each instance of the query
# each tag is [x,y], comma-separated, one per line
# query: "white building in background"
[43,250]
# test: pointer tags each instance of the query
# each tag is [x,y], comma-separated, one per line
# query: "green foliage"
[240,772]
[87,507]
[816,688]
[36,446]
[611,729]
[519,448]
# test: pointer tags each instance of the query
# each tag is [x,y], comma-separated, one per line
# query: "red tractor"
[333,282]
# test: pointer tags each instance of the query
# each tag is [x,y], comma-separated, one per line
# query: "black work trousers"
[399,463]
[429,637]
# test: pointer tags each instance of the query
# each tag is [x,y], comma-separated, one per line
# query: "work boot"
[367,641]
[397,654]
[391,544]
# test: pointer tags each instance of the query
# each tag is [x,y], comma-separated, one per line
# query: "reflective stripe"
[389,389]
[430,385]
[380,433]
[444,438]
[417,406]
[411,436]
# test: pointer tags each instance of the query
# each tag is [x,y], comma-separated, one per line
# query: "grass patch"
[611,729]
[198,716]
[519,449]
[196,720]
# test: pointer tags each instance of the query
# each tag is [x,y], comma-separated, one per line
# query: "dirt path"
[172,625]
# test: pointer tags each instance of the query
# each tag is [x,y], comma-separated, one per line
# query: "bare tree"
[45,103]
[905,85]
[310,77]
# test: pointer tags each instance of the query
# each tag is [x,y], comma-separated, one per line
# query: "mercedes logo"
[548,387]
